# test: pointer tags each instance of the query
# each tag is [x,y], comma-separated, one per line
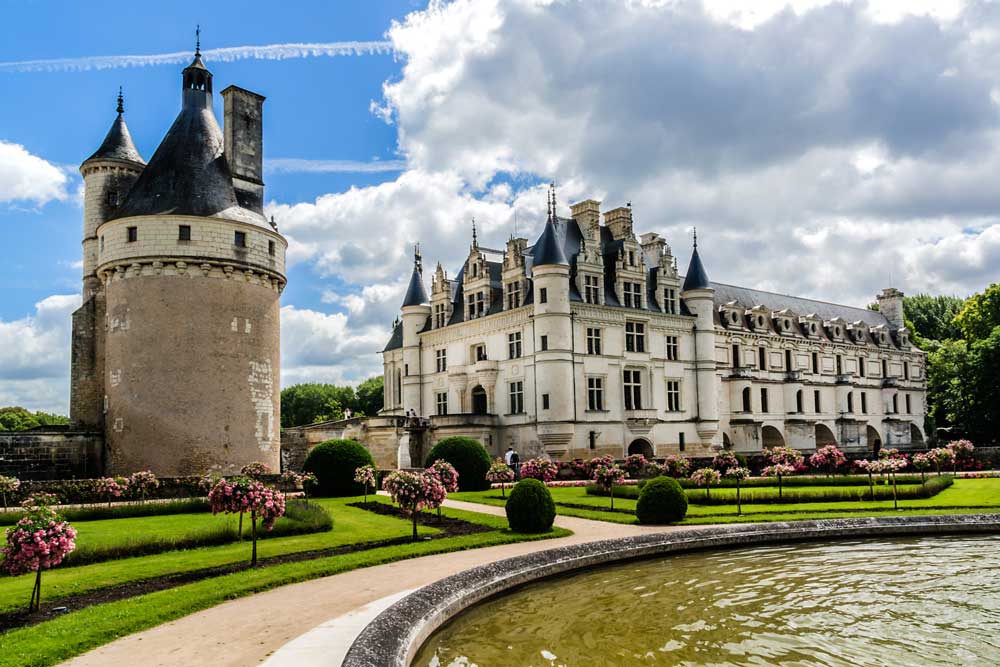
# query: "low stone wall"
[378,434]
[394,637]
[51,453]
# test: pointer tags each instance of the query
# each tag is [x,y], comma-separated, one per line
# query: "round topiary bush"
[470,459]
[530,508]
[334,462]
[661,500]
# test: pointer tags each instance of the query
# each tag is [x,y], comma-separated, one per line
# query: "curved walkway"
[248,630]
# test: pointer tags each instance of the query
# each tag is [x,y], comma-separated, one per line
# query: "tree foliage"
[932,318]
[981,314]
[16,418]
[314,402]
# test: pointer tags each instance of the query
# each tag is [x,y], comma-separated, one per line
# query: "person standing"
[508,455]
[515,463]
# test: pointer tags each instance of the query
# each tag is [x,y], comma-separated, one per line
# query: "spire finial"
[197,40]
[418,263]
[695,238]
[475,239]
[121,101]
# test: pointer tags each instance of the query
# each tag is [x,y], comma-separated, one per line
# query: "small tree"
[635,465]
[676,466]
[308,481]
[785,455]
[108,487]
[255,470]
[242,494]
[544,470]
[141,483]
[942,457]
[738,474]
[500,473]
[724,460]
[779,470]
[39,541]
[8,485]
[447,475]
[414,491]
[828,458]
[922,462]
[870,467]
[607,476]
[290,478]
[366,477]
[961,451]
[706,477]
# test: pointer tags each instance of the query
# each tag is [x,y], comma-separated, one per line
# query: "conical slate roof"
[415,293]
[548,249]
[697,277]
[118,145]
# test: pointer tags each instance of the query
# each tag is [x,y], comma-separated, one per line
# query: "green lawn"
[964,496]
[57,640]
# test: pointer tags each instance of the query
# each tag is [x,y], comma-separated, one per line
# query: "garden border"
[395,636]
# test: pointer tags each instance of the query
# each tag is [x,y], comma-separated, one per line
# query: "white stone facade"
[678,371]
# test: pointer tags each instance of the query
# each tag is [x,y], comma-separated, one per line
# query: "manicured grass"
[351,526]
[964,496]
[57,640]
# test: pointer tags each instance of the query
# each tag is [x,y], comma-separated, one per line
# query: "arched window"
[746,399]
[798,401]
[399,387]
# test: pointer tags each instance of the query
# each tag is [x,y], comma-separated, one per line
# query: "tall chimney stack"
[244,148]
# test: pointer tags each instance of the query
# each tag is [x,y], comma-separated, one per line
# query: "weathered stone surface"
[51,454]
[394,637]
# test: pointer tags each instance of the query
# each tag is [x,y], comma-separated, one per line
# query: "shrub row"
[765,494]
[100,512]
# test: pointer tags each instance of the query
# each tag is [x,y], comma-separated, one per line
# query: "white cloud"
[321,347]
[298,165]
[226,54]
[35,354]
[27,177]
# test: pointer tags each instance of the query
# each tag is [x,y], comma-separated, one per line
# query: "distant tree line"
[313,402]
[16,418]
[962,341]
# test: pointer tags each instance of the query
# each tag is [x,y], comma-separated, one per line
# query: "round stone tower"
[192,274]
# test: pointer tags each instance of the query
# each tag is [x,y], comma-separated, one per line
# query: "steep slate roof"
[548,249]
[567,234]
[188,174]
[416,295]
[118,144]
[396,339]
[748,298]
[697,277]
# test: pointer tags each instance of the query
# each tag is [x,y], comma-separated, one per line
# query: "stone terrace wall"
[378,434]
[51,453]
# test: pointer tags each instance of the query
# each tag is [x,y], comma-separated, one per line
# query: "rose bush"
[544,470]
[414,491]
[8,487]
[607,476]
[780,470]
[500,473]
[367,478]
[39,541]
[828,458]
[707,478]
[239,495]
[676,466]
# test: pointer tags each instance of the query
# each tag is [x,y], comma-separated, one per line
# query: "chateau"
[589,342]
[175,359]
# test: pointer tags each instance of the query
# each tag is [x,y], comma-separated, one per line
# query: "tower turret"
[553,333]
[416,309]
[108,176]
[698,295]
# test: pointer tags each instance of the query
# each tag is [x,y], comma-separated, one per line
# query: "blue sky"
[824,148]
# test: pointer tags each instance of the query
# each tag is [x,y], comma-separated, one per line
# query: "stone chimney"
[587,214]
[619,222]
[653,246]
[890,304]
[244,144]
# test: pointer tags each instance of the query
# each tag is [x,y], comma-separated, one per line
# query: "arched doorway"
[771,437]
[916,437]
[727,444]
[479,405]
[874,440]
[824,436]
[641,446]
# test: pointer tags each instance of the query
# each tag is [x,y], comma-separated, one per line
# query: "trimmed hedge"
[662,500]
[530,508]
[122,511]
[334,463]
[761,494]
[469,457]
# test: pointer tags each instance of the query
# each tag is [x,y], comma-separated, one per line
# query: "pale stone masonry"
[176,346]
[590,342]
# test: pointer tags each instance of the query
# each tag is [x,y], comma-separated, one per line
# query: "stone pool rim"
[395,636]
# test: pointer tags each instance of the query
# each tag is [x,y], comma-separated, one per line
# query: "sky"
[823,148]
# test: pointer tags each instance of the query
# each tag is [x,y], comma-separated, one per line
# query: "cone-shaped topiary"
[334,462]
[469,458]
[661,500]
[530,508]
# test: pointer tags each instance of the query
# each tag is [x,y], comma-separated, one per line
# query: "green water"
[920,602]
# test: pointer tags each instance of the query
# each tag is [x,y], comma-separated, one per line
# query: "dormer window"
[591,289]
[632,293]
[734,318]
[475,270]
[631,258]
[670,301]
[513,295]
